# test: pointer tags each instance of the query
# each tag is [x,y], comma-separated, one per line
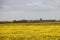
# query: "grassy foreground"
[30,31]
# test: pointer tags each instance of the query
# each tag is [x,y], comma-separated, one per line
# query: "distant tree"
[14,21]
[23,21]
[41,19]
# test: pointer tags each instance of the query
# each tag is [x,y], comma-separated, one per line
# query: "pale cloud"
[41,4]
[58,2]
[30,9]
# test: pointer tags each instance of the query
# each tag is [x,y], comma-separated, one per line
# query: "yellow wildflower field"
[20,31]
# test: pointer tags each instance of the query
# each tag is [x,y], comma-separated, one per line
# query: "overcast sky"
[29,9]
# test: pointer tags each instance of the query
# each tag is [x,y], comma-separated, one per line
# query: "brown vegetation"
[30,21]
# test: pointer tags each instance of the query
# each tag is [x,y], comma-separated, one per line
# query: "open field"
[30,31]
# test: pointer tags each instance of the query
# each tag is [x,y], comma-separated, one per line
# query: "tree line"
[30,21]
